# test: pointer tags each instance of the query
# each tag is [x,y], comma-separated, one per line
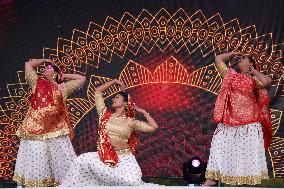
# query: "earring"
[126,107]
[54,76]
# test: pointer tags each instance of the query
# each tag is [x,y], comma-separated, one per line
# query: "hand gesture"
[63,77]
[48,60]
[251,69]
[238,54]
[139,110]
[122,86]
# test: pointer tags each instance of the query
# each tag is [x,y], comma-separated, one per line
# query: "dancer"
[114,164]
[237,154]
[45,151]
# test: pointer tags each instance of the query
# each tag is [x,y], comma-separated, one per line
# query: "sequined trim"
[21,180]
[71,86]
[236,180]
[236,103]
[222,69]
[141,126]
[123,152]
[100,104]
[31,78]
[46,136]
[110,163]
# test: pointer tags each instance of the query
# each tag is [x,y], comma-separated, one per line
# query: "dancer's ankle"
[210,182]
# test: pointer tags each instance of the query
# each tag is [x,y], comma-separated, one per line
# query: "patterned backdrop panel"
[166,60]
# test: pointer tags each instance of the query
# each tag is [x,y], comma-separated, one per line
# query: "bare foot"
[210,182]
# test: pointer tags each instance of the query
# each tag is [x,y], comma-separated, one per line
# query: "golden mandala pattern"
[87,50]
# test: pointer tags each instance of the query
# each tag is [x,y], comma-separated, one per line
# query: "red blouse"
[237,104]
[241,101]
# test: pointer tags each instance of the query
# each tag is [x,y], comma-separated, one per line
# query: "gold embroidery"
[116,136]
[64,131]
[21,180]
[141,126]
[70,87]
[236,103]
[222,69]
[236,180]
[119,127]
[48,122]
[100,104]
[31,78]
[123,152]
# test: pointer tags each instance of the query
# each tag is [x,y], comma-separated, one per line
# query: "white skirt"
[89,170]
[43,163]
[237,155]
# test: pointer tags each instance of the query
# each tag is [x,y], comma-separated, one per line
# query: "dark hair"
[124,95]
[251,59]
[56,69]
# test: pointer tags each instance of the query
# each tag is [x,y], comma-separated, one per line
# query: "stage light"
[194,171]
[195,163]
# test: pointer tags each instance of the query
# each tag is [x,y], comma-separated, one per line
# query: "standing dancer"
[237,153]
[45,151]
[114,164]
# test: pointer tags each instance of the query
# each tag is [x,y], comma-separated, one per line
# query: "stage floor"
[171,182]
[151,187]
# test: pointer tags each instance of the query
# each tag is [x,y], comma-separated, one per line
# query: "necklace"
[118,115]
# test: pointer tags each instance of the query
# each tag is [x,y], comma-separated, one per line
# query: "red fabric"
[133,140]
[236,104]
[46,94]
[43,95]
[241,102]
[263,103]
[106,152]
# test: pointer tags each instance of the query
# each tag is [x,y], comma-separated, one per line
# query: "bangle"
[147,113]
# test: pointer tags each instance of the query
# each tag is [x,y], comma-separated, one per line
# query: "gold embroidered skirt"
[237,155]
[43,163]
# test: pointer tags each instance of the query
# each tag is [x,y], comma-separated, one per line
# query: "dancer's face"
[118,101]
[244,64]
[48,71]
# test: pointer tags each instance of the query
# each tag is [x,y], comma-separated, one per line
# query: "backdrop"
[162,50]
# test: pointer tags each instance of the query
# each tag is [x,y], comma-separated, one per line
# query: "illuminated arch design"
[87,50]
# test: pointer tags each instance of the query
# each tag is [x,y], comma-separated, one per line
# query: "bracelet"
[147,113]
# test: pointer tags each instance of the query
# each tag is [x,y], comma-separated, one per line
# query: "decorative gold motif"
[222,69]
[123,152]
[86,50]
[64,131]
[236,180]
[70,87]
[120,127]
[240,107]
[47,182]
[40,123]
[32,78]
